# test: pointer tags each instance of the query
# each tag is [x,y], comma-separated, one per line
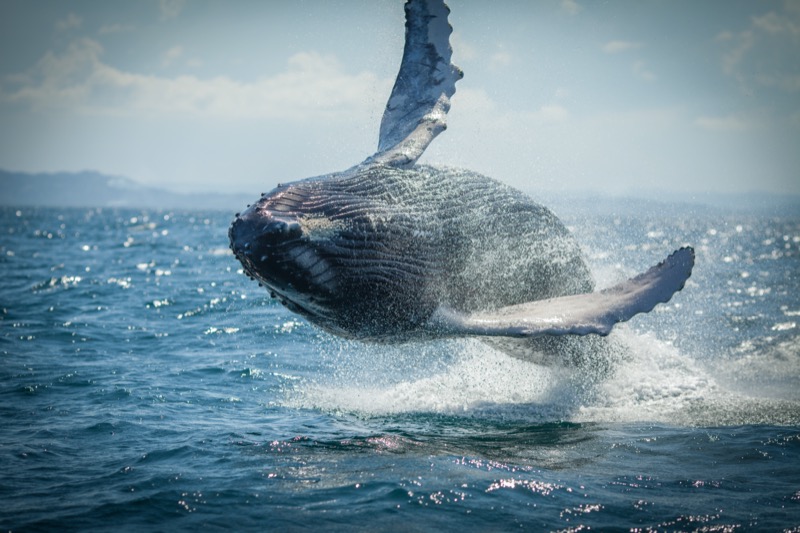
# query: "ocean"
[147,385]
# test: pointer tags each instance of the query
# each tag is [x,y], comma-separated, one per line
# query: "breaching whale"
[392,251]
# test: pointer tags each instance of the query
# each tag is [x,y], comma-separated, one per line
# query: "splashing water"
[658,384]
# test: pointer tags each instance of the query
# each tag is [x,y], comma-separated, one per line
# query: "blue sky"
[626,97]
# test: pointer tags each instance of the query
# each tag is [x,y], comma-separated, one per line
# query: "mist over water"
[146,382]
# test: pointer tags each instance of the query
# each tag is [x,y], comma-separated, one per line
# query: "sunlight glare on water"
[146,382]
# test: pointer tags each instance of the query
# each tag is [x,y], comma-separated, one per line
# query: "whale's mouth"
[275,250]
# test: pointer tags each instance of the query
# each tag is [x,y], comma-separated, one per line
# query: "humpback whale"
[392,251]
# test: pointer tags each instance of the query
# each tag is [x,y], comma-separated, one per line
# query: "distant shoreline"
[91,189]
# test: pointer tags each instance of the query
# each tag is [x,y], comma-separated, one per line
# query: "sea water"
[147,384]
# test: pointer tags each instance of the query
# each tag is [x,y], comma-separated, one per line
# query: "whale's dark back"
[399,243]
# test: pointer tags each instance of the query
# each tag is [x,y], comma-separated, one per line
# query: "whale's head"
[283,247]
[337,252]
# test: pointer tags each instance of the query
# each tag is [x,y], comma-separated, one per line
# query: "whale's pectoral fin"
[417,109]
[579,314]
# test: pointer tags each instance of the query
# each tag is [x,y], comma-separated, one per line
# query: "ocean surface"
[147,384]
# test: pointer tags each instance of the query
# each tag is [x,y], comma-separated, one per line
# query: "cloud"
[615,47]
[765,54]
[640,68]
[77,80]
[552,113]
[571,6]
[172,55]
[71,21]
[742,44]
[500,59]
[727,124]
[56,79]
[472,101]
[477,103]
[775,24]
[169,9]
[462,50]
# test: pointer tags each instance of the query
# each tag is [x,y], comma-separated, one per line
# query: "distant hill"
[93,189]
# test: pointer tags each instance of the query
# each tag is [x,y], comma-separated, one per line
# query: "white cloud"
[463,51]
[742,44]
[169,9]
[552,113]
[461,48]
[78,80]
[774,24]
[172,55]
[724,36]
[71,21]
[473,101]
[571,6]
[55,80]
[615,47]
[764,54]
[640,68]
[500,59]
[722,124]
[477,103]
